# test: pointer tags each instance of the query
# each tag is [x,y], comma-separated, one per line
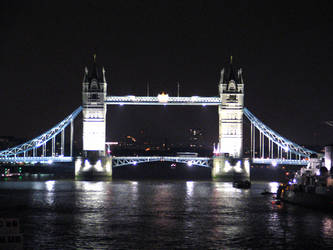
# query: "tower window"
[93,97]
[232,85]
[232,98]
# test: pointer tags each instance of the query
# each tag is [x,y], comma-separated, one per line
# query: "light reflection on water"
[160,214]
[273,187]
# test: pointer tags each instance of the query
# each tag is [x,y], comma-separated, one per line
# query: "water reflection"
[273,187]
[189,188]
[327,227]
[49,196]
[49,185]
[167,215]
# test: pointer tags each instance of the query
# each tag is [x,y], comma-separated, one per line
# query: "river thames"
[68,214]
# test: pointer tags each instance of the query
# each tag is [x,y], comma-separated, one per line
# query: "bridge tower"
[230,145]
[231,90]
[94,161]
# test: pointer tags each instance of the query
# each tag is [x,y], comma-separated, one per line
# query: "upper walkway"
[162,99]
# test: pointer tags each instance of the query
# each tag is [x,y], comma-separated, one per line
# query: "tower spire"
[94,71]
[103,71]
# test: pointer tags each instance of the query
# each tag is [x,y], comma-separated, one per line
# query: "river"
[68,214]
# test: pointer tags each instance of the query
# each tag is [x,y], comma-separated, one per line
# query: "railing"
[31,147]
[162,100]
[134,160]
[284,146]
[34,160]
[276,162]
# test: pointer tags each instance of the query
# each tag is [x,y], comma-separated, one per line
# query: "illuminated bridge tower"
[228,159]
[94,161]
[231,90]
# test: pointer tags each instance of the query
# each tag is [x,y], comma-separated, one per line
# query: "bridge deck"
[267,161]
[134,160]
[155,100]
[46,159]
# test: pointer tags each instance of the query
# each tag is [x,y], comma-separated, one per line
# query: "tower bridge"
[267,146]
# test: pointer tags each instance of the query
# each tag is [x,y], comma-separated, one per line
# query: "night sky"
[284,48]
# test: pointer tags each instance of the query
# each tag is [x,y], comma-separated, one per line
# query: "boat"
[241,184]
[10,235]
[266,192]
[312,186]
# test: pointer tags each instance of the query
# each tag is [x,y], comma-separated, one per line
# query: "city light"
[132,97]
[98,166]
[163,97]
[238,168]
[227,166]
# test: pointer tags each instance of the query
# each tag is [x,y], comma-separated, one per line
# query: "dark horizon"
[285,52]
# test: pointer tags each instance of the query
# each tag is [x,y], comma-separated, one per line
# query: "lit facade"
[231,90]
[94,111]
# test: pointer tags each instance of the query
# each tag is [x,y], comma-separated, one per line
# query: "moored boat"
[311,187]
[241,184]
[10,236]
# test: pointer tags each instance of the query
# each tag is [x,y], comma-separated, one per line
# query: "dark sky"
[284,48]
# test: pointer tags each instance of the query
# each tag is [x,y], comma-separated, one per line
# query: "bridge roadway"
[119,161]
[162,100]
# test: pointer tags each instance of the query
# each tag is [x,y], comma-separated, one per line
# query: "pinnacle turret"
[229,75]
[94,71]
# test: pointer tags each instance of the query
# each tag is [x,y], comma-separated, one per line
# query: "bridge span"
[267,146]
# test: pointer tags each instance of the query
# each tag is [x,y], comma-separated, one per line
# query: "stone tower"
[231,90]
[94,162]
[94,112]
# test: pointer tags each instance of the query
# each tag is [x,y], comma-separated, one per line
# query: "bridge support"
[94,163]
[93,168]
[229,168]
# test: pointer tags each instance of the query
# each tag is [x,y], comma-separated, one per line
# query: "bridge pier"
[93,168]
[229,168]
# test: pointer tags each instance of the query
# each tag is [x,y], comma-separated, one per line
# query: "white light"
[98,166]
[78,163]
[121,104]
[274,163]
[227,166]
[238,168]
[92,186]
[108,167]
[189,188]
[163,97]
[132,97]
[273,186]
[134,163]
[194,98]
[94,135]
[203,105]
[49,185]
[247,164]
[190,163]
[49,162]
[87,166]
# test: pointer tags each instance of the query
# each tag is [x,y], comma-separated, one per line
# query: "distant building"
[10,141]
[195,137]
